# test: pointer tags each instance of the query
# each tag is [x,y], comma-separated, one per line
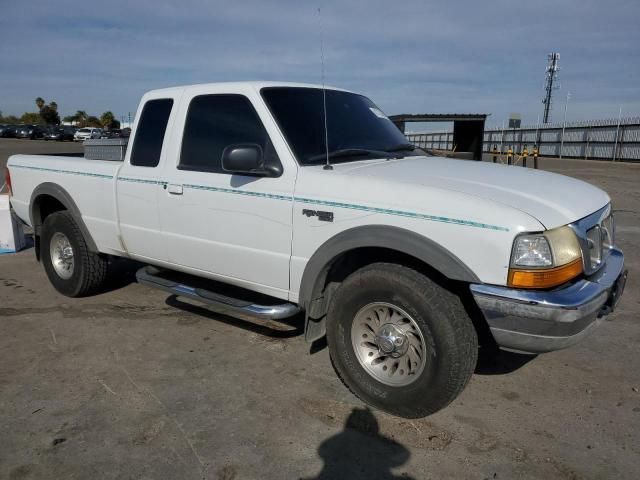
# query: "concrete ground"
[135,384]
[11,146]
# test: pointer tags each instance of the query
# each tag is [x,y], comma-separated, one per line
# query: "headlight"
[531,251]
[545,260]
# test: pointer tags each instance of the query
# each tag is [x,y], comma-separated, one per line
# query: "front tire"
[399,341]
[72,269]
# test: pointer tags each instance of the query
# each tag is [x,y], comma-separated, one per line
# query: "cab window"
[149,136]
[215,122]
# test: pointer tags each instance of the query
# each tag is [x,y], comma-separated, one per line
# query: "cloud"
[410,56]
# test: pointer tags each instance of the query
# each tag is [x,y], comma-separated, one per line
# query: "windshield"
[357,128]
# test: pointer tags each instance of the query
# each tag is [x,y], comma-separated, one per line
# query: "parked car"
[113,133]
[402,260]
[30,131]
[59,133]
[23,131]
[87,132]
[68,132]
[7,131]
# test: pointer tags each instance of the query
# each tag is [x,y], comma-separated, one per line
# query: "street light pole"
[564,124]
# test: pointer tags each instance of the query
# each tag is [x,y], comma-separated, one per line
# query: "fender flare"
[56,191]
[384,236]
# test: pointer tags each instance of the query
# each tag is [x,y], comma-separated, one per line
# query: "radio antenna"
[327,165]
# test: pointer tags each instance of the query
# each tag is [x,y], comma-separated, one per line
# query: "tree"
[93,122]
[10,119]
[49,115]
[81,118]
[106,119]
[30,117]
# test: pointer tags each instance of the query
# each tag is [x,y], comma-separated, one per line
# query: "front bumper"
[536,321]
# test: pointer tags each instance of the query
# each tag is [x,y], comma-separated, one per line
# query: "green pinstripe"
[141,180]
[311,201]
[239,192]
[68,172]
[402,213]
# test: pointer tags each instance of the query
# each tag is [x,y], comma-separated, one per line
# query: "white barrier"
[11,235]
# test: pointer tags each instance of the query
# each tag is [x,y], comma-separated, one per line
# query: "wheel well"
[341,266]
[43,206]
[48,198]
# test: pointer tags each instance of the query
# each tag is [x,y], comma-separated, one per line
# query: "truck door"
[236,228]
[140,183]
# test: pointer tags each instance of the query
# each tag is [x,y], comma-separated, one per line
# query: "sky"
[407,56]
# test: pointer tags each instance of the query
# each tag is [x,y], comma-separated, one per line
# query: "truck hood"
[550,198]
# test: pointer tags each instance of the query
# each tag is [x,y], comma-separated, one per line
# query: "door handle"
[175,189]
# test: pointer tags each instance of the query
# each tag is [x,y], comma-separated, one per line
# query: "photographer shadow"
[360,452]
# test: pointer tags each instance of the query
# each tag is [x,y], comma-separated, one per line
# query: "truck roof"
[255,84]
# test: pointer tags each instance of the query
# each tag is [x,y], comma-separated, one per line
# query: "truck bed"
[94,195]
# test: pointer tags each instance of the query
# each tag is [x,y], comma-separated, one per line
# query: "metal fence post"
[564,123]
[587,134]
[615,145]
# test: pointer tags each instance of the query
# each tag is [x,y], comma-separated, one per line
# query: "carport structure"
[468,128]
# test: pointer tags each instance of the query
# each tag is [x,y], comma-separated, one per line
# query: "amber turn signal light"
[544,278]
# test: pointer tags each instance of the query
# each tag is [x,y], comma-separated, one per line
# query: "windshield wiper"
[348,152]
[401,147]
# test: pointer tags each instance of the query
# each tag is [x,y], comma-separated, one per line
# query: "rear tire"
[436,345]
[72,269]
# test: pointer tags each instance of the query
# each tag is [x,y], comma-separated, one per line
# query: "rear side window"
[150,133]
[213,123]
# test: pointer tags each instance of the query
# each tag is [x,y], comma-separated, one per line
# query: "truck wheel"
[72,269]
[399,341]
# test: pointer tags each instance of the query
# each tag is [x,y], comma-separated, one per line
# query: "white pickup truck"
[288,198]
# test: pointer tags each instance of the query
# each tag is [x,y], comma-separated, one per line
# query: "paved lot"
[11,146]
[133,384]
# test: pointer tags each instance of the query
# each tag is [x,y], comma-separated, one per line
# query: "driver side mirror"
[246,159]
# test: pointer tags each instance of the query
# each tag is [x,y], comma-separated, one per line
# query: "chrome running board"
[152,277]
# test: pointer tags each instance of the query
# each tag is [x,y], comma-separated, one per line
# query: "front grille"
[596,234]
[608,232]
[594,239]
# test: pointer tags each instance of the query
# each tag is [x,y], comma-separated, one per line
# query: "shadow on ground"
[359,451]
[493,361]
[121,273]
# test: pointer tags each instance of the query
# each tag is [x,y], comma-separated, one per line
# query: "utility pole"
[552,76]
